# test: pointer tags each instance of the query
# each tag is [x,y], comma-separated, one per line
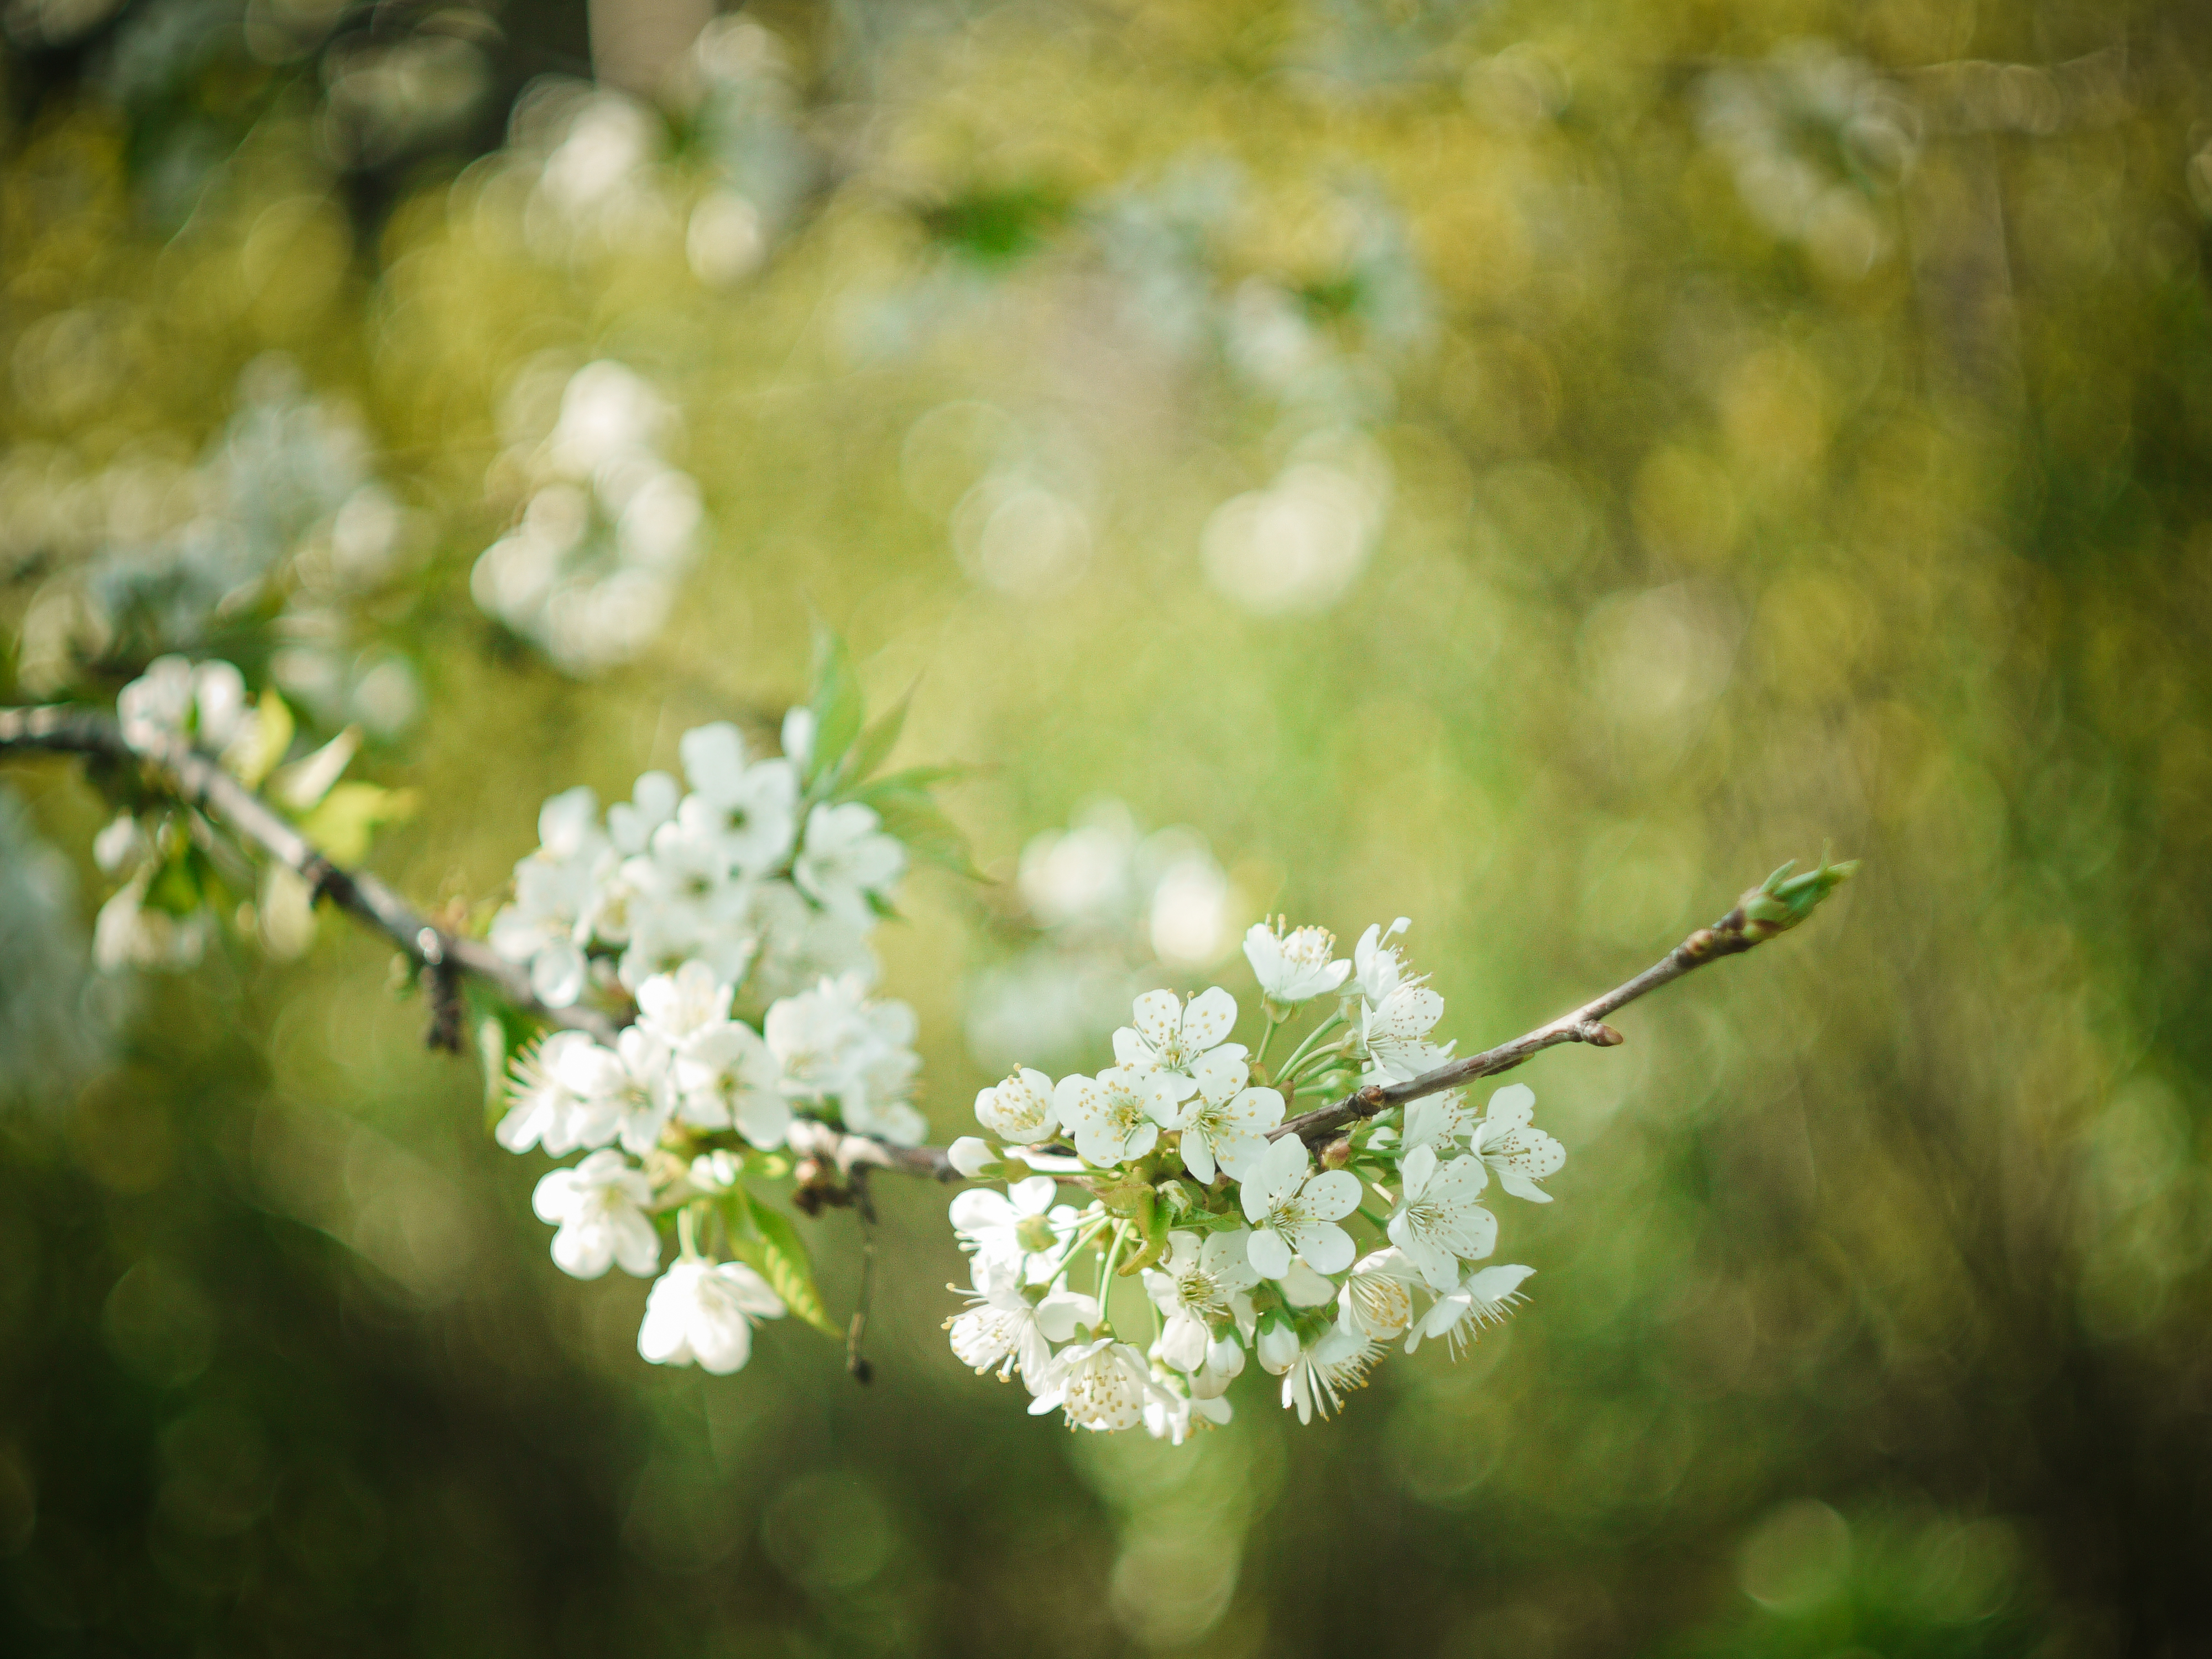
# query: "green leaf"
[301,786]
[352,812]
[835,704]
[273,727]
[927,833]
[877,741]
[912,783]
[778,1256]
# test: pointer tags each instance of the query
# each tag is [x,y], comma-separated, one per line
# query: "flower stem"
[1106,1278]
[687,1222]
[1291,1065]
[1268,1035]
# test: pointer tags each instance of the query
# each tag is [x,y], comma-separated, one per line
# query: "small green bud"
[1782,900]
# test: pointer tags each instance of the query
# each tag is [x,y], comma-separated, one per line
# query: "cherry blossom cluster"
[727,924]
[1241,1239]
[773,893]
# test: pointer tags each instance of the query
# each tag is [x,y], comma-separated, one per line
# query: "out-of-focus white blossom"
[702,1313]
[727,1078]
[599,1208]
[846,864]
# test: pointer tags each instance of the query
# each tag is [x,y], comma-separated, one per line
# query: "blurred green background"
[1529,466]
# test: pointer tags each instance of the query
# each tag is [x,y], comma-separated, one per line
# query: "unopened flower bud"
[1224,1357]
[972,1155]
[1337,1153]
[1278,1347]
[714,1172]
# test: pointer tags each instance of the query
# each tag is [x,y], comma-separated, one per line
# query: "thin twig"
[199,779]
[1730,936]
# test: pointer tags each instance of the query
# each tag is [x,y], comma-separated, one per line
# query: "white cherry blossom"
[1224,1365]
[1115,1116]
[599,1208]
[1277,1346]
[627,1093]
[1377,965]
[834,1044]
[800,946]
[846,860]
[1294,1211]
[702,1313]
[1020,1110]
[726,1077]
[1327,1369]
[653,801]
[1301,1287]
[1018,1228]
[1376,1301]
[1002,1328]
[1223,1124]
[676,1006]
[1294,967]
[1100,1385]
[1394,1034]
[1189,1039]
[1438,1222]
[1507,1140]
[554,888]
[1485,1297]
[546,1106]
[972,1155]
[1200,1289]
[748,813]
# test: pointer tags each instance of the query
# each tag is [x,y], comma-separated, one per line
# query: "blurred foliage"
[1529,467]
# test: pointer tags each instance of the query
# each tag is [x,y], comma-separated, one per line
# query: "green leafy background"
[1870,1316]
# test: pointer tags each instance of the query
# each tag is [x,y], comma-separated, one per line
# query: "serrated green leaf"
[352,812]
[835,703]
[273,727]
[778,1255]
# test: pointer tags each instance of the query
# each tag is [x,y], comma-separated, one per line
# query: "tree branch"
[1774,906]
[199,781]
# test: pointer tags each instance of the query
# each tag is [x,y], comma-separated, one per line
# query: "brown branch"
[1764,911]
[173,766]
